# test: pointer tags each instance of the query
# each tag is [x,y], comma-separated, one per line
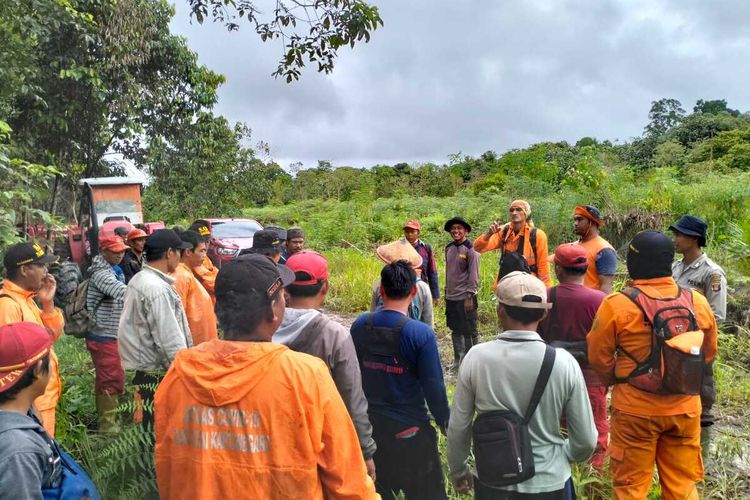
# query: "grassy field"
[118,463]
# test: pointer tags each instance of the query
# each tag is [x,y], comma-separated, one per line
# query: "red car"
[229,236]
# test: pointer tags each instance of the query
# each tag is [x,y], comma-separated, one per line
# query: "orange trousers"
[672,442]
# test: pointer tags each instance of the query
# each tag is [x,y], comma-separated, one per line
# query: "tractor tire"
[68,276]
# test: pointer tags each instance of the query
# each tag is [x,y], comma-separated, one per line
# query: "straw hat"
[399,250]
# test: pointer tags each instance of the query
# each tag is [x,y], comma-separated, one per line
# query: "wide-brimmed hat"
[691,226]
[399,250]
[457,220]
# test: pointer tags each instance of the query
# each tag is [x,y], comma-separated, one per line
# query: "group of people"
[282,401]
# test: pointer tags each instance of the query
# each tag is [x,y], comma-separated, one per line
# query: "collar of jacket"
[519,335]
[466,243]
[9,286]
[169,279]
[663,281]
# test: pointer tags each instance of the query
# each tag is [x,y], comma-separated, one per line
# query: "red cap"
[571,255]
[112,243]
[413,224]
[136,233]
[22,345]
[311,263]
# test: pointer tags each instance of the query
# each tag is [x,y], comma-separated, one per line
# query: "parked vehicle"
[229,236]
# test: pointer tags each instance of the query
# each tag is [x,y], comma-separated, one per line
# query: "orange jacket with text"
[254,420]
[199,308]
[206,274]
[593,247]
[619,322]
[482,244]
[18,306]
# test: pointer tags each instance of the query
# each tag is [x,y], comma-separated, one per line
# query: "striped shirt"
[105,298]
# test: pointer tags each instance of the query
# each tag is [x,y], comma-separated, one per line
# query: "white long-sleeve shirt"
[500,375]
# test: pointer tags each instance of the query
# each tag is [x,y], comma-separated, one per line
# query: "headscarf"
[591,213]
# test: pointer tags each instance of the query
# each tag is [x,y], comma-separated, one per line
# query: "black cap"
[457,220]
[280,231]
[650,255]
[266,240]
[26,253]
[164,239]
[191,237]
[294,232]
[121,231]
[691,226]
[252,272]
[202,227]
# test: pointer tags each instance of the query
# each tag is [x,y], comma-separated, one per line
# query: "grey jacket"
[153,325]
[105,297]
[311,332]
[27,461]
[500,375]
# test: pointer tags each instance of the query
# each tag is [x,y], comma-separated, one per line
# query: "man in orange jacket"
[199,307]
[648,427]
[247,418]
[602,258]
[206,271]
[27,279]
[518,236]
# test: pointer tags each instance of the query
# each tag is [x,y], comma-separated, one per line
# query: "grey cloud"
[440,77]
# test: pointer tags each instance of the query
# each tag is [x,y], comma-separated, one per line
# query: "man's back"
[500,375]
[400,393]
[254,420]
[572,314]
[311,332]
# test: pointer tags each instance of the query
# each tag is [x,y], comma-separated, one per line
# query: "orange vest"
[206,274]
[254,420]
[21,307]
[593,247]
[619,322]
[199,308]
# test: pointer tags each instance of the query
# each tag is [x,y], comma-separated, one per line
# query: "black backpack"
[502,444]
[515,261]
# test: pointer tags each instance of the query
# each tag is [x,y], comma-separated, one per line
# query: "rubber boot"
[458,350]
[106,409]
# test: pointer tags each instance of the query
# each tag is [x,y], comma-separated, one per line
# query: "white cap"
[516,288]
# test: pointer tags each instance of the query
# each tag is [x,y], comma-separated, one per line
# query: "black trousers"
[410,463]
[146,383]
[463,325]
[482,492]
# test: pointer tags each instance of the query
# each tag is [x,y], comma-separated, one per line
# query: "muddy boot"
[106,409]
[458,350]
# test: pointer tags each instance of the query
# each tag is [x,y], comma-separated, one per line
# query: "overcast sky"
[473,75]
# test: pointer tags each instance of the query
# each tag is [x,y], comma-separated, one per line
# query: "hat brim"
[47,259]
[685,231]
[117,248]
[287,275]
[447,226]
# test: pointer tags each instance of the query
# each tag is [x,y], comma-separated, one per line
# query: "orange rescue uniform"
[206,274]
[20,306]
[648,427]
[482,244]
[593,247]
[199,307]
[254,420]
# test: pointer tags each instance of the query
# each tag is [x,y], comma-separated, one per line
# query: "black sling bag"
[502,444]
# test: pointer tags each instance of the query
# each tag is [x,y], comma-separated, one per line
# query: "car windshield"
[234,229]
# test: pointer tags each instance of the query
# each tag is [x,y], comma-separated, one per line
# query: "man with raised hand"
[401,370]
[245,417]
[27,281]
[306,329]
